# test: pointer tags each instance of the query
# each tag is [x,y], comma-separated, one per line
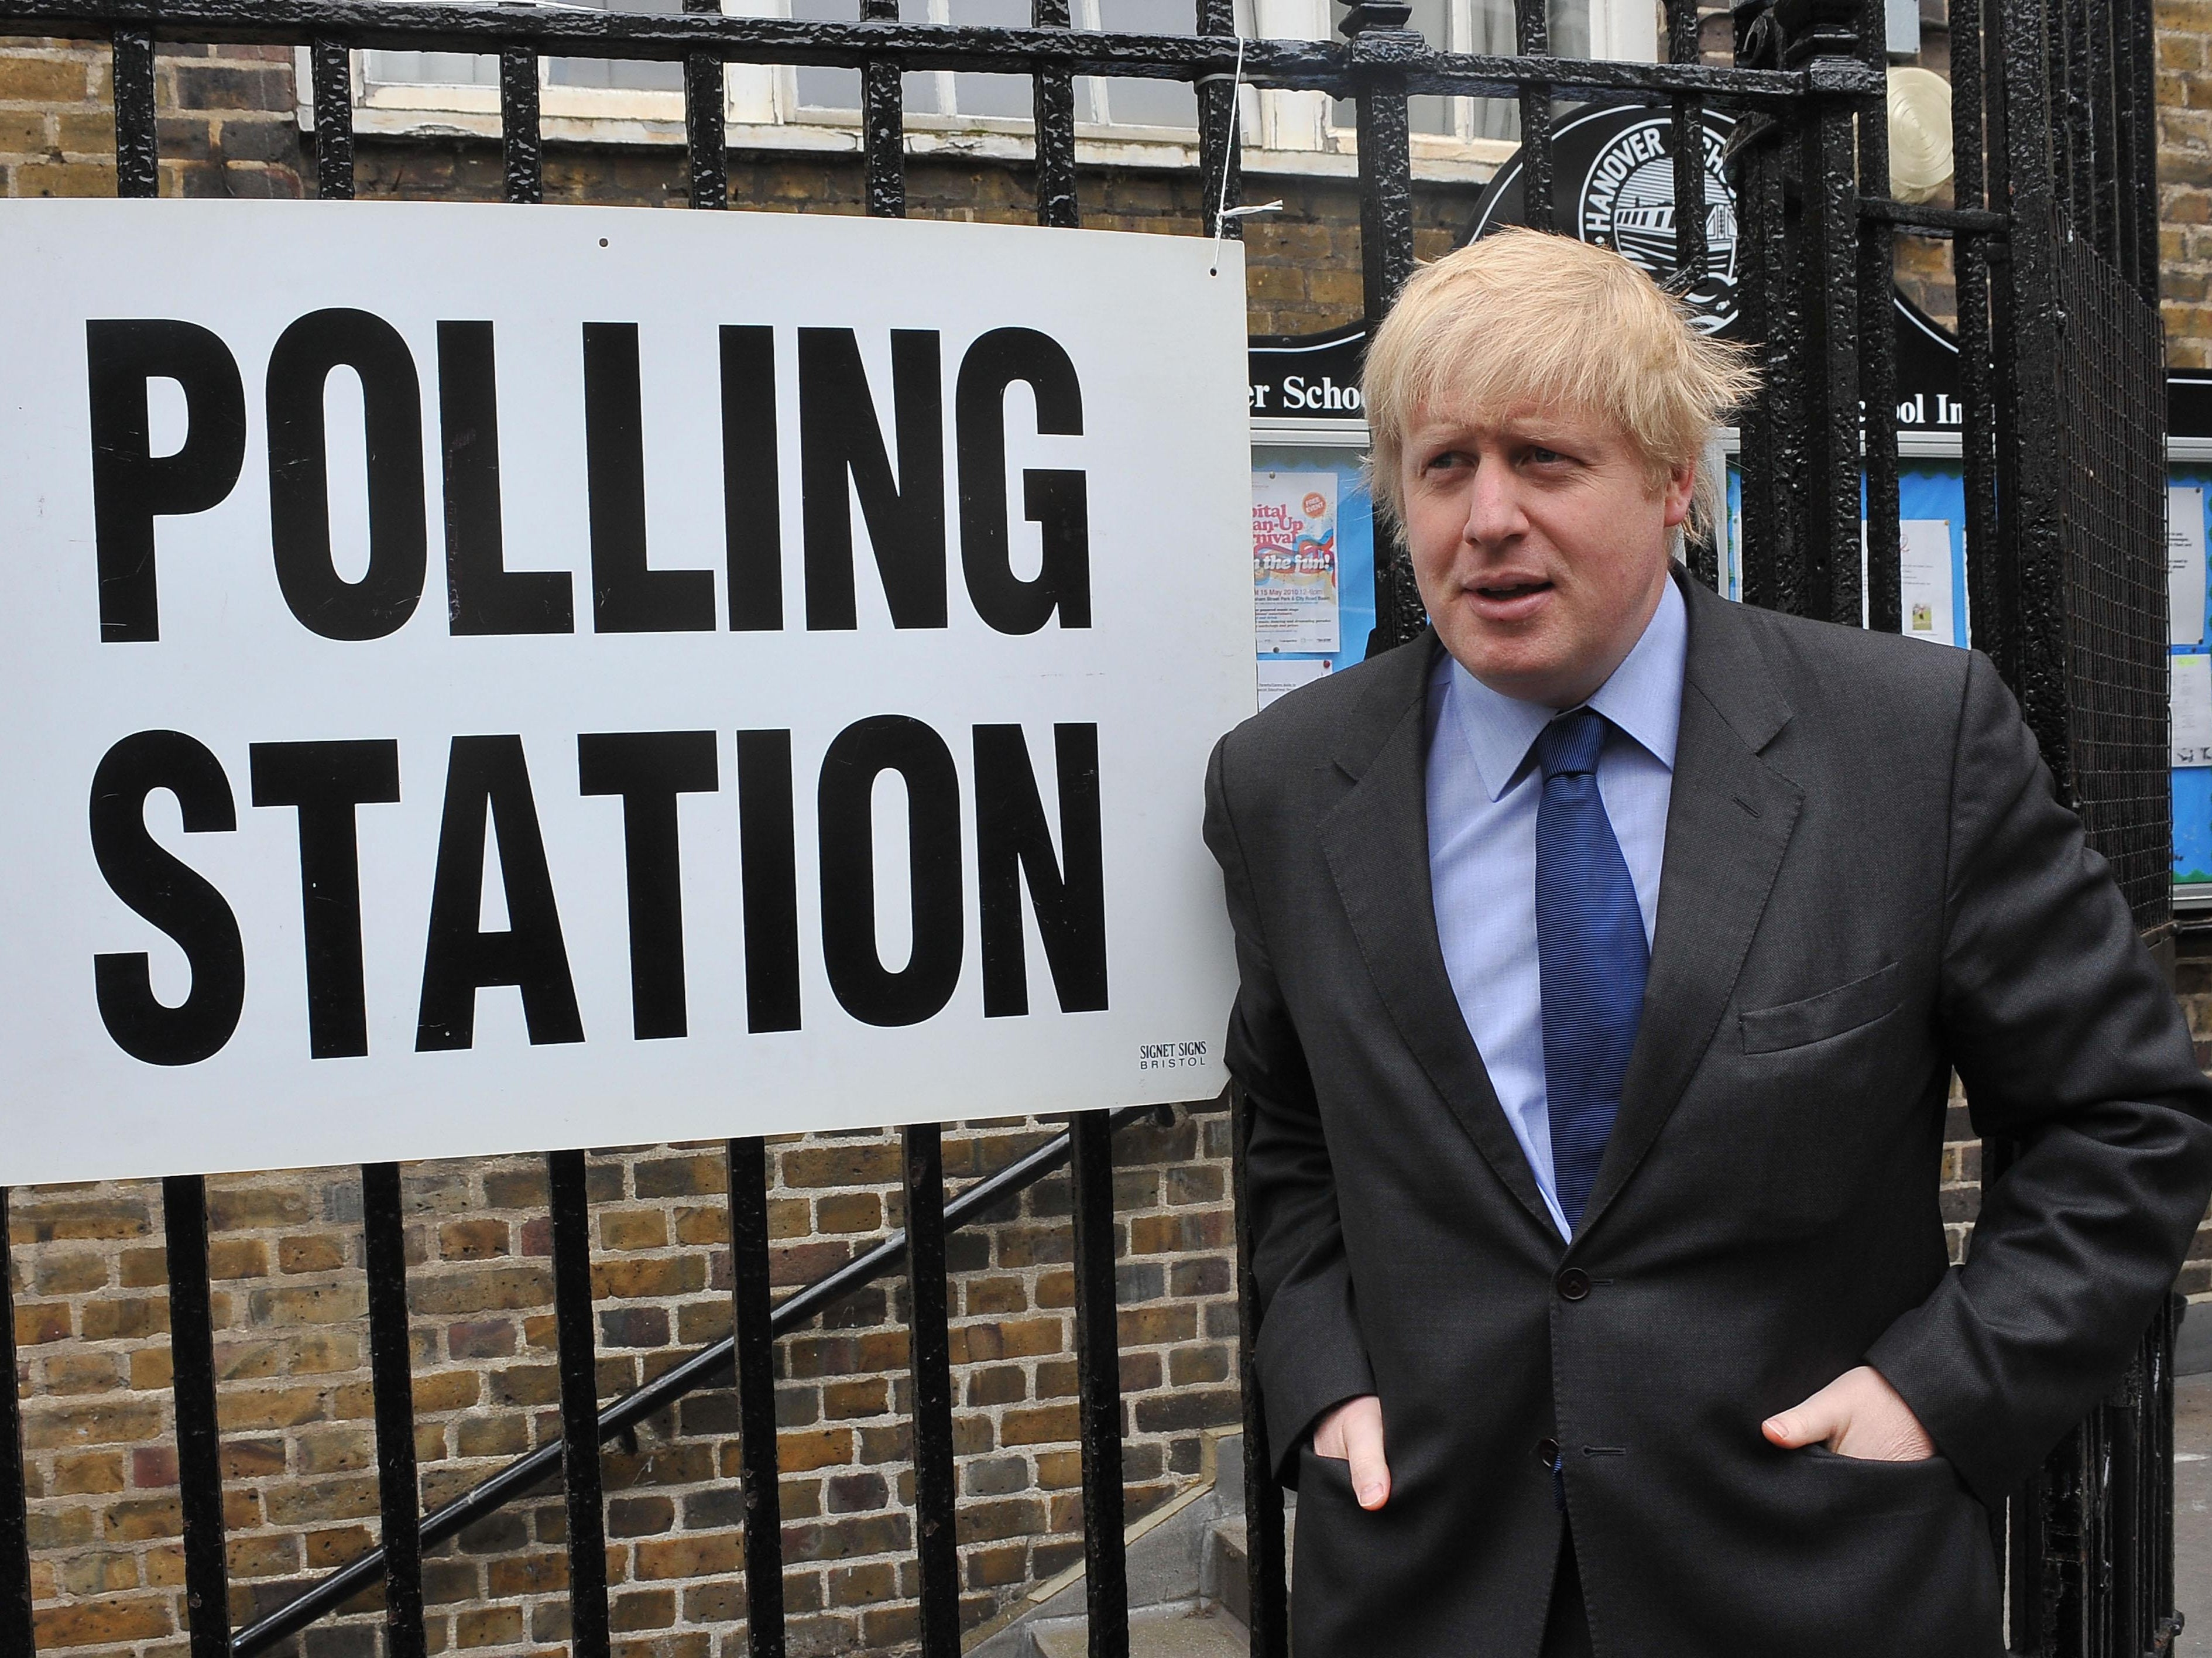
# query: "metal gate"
[2055,239]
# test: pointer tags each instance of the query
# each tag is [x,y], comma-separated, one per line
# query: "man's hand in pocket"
[1353,1433]
[1858,1414]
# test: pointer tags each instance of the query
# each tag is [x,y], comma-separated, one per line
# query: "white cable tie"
[1243,212]
[1221,214]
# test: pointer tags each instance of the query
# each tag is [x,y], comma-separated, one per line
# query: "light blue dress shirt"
[1483,790]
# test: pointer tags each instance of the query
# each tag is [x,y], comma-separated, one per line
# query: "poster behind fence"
[1294,562]
[493,679]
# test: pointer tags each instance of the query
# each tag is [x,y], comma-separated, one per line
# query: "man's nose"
[1494,505]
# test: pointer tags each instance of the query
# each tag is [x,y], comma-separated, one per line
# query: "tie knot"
[1568,747]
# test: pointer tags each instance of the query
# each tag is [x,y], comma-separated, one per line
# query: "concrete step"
[1154,1632]
[1174,1561]
[1224,1581]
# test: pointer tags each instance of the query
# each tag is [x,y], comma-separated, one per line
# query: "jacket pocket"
[1816,1019]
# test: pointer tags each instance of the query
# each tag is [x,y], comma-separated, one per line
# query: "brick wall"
[226,126]
[2185,177]
[291,1345]
[1302,262]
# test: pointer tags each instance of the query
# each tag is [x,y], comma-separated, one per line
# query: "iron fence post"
[1380,51]
[576,1344]
[392,1384]
[1828,269]
[330,66]
[706,135]
[1220,146]
[16,1622]
[522,144]
[1877,327]
[752,1335]
[1266,1559]
[930,1378]
[137,171]
[1098,1384]
[199,1439]
[883,121]
[1532,38]
[1052,104]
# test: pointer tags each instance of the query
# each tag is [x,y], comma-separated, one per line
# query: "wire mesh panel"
[2111,414]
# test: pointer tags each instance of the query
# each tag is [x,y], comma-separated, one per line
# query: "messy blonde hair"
[1522,317]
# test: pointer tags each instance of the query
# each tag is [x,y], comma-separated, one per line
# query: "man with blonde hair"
[1606,953]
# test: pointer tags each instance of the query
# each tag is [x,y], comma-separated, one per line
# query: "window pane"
[839,88]
[1135,102]
[614,72]
[827,88]
[444,69]
[1490,27]
[1489,32]
[1009,95]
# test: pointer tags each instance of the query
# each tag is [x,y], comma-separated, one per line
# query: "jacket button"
[1573,1284]
[1547,1452]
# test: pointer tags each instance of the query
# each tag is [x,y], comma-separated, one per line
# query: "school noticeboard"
[489,678]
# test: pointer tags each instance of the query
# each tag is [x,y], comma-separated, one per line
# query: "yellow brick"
[26,80]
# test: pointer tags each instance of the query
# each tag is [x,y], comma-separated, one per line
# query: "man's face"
[1538,543]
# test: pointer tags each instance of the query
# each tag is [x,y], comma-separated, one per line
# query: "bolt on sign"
[491,679]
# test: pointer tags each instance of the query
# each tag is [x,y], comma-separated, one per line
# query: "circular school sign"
[1613,178]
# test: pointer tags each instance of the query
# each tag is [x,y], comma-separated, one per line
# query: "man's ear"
[1680,484]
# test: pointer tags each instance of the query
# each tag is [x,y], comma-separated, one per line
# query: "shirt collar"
[1642,698]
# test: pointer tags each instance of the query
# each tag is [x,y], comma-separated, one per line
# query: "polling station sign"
[486,680]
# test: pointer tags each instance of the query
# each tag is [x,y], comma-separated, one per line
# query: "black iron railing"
[743,1355]
[2053,123]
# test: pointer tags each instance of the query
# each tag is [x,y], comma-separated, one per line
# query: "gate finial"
[1787,33]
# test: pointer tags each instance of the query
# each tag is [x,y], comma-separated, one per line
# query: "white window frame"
[1286,133]
[1626,31]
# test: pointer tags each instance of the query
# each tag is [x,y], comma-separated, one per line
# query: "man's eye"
[1543,456]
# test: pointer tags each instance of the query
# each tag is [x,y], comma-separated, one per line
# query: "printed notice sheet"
[1280,674]
[2184,564]
[1294,574]
[2192,709]
[1924,573]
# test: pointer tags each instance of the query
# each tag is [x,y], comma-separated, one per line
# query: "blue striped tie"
[1591,951]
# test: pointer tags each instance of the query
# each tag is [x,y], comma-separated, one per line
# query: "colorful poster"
[2192,709]
[1294,562]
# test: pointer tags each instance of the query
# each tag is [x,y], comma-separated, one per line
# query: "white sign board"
[2184,564]
[491,679]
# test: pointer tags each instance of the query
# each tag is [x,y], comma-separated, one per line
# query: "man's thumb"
[1807,1424]
[1370,1474]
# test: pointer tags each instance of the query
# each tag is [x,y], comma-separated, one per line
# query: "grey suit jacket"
[1866,882]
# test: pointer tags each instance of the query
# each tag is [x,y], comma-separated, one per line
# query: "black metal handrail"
[671,37]
[705,1368]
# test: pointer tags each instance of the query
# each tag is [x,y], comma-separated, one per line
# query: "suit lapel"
[1376,842]
[1729,818]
